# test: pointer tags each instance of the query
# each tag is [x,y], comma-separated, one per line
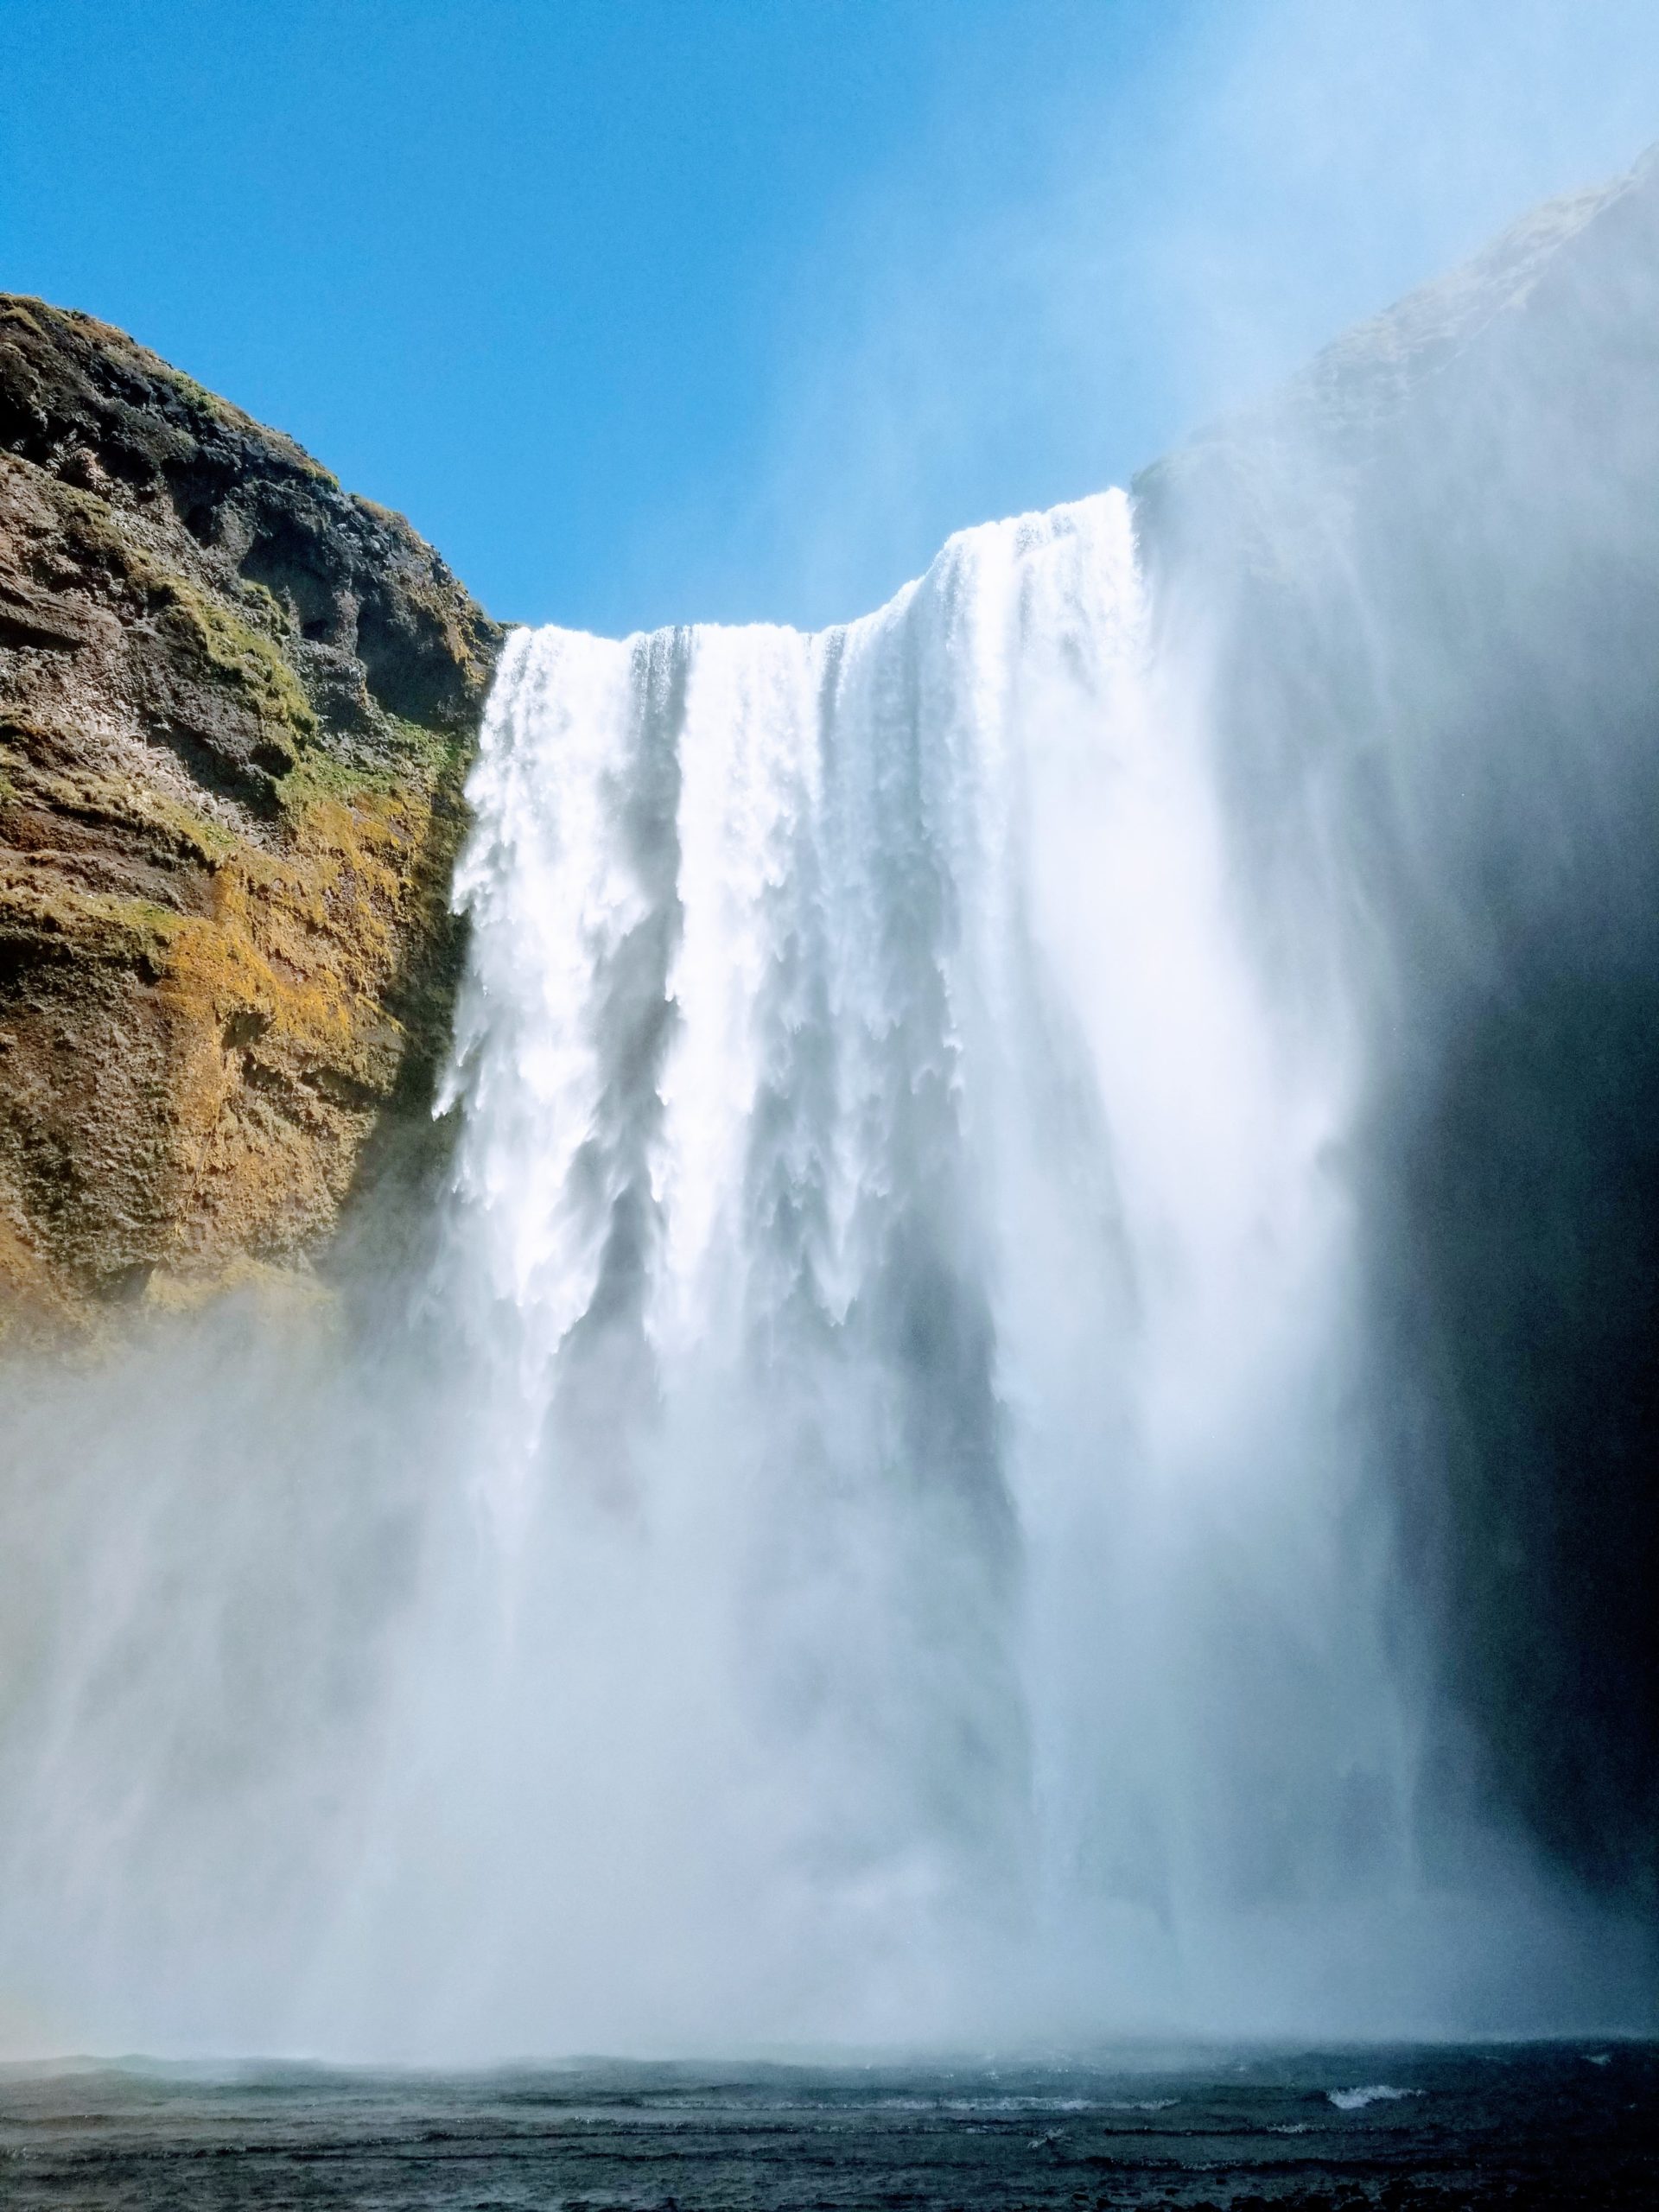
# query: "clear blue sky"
[654,310]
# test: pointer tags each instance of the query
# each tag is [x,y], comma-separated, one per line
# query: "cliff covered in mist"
[236,705]
[1418,596]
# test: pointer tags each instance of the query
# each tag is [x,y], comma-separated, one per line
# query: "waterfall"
[889,1203]
[873,1535]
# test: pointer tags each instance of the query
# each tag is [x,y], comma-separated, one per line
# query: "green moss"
[427,766]
[144,917]
[205,401]
[238,656]
[93,528]
[231,650]
[320,778]
[202,838]
[266,603]
[319,775]
[96,925]
[441,756]
[313,467]
[295,454]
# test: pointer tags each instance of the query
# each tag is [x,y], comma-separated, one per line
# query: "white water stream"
[895,1231]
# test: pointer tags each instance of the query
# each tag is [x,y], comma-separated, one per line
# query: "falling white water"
[898,1238]
[872,1539]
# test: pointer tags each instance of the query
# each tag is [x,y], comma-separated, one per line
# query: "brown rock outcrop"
[236,709]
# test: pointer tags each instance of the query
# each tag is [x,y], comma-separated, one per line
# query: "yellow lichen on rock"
[236,707]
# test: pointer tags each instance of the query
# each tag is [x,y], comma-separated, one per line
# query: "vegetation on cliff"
[236,709]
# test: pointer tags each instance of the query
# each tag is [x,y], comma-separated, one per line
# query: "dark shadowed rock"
[1421,592]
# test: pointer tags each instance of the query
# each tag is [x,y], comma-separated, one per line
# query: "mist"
[1020,1414]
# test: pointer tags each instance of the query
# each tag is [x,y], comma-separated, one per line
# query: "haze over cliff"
[1416,592]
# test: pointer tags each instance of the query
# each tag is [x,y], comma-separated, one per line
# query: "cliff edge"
[236,707]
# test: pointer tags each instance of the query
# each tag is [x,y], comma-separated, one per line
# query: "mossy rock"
[233,738]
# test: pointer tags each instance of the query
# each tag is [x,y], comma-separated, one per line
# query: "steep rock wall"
[236,707]
[1420,594]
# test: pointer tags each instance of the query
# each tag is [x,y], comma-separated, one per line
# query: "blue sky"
[647,310]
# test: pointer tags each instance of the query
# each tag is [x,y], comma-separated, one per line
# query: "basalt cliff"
[236,707]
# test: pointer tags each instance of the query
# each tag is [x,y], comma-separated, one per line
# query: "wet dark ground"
[1518,2126]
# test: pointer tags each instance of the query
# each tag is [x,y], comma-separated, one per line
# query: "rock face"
[236,707]
[1422,590]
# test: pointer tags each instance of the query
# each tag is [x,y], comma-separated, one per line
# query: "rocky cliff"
[1419,592]
[236,707]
